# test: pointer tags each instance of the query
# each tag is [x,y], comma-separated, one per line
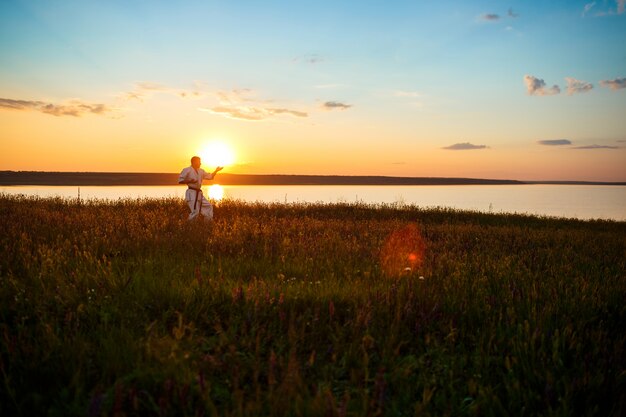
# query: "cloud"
[334,105]
[614,84]
[576,86]
[494,17]
[74,108]
[146,89]
[243,104]
[490,17]
[554,142]
[620,9]
[588,7]
[596,147]
[464,147]
[235,96]
[309,59]
[327,86]
[409,94]
[251,113]
[537,87]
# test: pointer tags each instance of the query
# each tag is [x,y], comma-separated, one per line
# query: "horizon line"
[13,177]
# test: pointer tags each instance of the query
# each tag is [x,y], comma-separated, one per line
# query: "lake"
[572,201]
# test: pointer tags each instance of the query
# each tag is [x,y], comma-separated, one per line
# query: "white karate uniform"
[194,196]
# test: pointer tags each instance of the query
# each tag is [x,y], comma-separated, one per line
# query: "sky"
[482,89]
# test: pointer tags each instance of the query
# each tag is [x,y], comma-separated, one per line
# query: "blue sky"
[391,88]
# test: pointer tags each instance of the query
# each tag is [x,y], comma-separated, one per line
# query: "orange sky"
[457,91]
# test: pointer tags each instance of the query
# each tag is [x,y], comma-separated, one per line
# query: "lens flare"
[403,251]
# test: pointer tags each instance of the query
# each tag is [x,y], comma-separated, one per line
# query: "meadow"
[123,308]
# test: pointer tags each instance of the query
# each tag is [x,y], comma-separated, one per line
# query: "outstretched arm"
[218,169]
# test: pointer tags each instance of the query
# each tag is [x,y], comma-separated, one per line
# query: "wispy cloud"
[76,108]
[328,86]
[588,8]
[490,17]
[335,105]
[309,59]
[494,17]
[620,8]
[145,89]
[614,84]
[251,113]
[576,86]
[244,104]
[554,142]
[236,96]
[464,147]
[596,147]
[537,87]
[408,94]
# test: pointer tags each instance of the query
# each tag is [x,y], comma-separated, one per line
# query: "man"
[193,176]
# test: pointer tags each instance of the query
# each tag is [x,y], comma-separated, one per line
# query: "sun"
[217,154]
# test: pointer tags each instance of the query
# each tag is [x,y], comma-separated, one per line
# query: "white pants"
[199,205]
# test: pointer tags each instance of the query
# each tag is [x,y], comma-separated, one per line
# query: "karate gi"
[194,196]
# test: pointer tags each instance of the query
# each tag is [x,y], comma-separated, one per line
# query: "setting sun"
[217,154]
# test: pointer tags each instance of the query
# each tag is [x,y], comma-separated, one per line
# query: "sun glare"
[216,192]
[217,154]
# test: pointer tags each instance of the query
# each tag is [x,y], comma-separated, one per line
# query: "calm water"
[579,201]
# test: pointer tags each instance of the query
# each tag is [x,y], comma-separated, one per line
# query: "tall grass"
[125,308]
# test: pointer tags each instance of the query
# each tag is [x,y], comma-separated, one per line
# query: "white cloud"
[576,86]
[620,8]
[588,7]
[409,94]
[537,87]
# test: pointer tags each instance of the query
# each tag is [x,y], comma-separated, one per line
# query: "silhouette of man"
[192,176]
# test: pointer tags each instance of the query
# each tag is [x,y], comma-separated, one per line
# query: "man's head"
[195,162]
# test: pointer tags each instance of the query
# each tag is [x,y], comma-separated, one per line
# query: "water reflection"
[578,201]
[216,192]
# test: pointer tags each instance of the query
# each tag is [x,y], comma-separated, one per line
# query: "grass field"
[124,308]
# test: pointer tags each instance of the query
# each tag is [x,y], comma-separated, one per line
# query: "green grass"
[124,308]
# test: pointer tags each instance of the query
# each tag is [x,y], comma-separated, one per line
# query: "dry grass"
[124,308]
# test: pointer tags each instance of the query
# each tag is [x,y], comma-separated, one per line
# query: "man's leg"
[194,208]
[207,209]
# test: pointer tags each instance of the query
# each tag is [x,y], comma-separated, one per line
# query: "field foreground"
[125,308]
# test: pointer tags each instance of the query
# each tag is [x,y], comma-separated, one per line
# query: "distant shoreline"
[120,179]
